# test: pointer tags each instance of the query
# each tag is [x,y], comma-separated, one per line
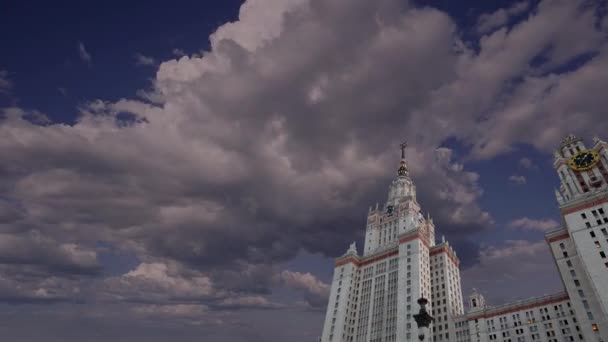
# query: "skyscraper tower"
[373,296]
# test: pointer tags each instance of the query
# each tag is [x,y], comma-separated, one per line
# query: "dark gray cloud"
[275,142]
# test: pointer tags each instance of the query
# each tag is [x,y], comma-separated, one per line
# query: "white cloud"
[504,94]
[305,281]
[489,22]
[85,56]
[157,282]
[517,179]
[527,163]
[526,223]
[257,25]
[144,60]
[178,52]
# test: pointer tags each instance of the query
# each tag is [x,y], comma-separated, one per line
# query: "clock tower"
[583,172]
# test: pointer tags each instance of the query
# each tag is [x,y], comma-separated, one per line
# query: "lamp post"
[423,319]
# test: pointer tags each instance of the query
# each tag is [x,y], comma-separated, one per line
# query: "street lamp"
[423,319]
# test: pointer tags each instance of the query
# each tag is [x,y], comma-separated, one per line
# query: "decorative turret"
[352,249]
[476,301]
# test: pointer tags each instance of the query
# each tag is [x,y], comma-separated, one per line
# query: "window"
[569,263]
[581,294]
[576,282]
[565,254]
[597,244]
[588,225]
[592,234]
[561,245]
[572,273]
[594,327]
[601,211]
[603,255]
[594,213]
[583,215]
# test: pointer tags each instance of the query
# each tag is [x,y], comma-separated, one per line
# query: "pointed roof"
[402,171]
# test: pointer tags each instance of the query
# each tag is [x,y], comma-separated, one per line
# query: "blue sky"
[169,164]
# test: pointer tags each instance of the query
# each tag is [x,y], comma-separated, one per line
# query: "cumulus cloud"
[157,283]
[221,144]
[517,179]
[529,224]
[317,292]
[144,60]
[277,139]
[516,90]
[449,193]
[85,56]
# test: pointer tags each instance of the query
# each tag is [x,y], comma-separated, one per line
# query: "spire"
[402,172]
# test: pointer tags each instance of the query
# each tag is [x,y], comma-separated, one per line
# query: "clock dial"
[584,160]
[389,210]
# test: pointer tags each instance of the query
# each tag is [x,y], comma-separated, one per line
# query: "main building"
[373,296]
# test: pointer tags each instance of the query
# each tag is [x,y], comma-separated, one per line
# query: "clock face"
[584,160]
[389,210]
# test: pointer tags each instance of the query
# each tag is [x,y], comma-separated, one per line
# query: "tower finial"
[402,172]
[403,145]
